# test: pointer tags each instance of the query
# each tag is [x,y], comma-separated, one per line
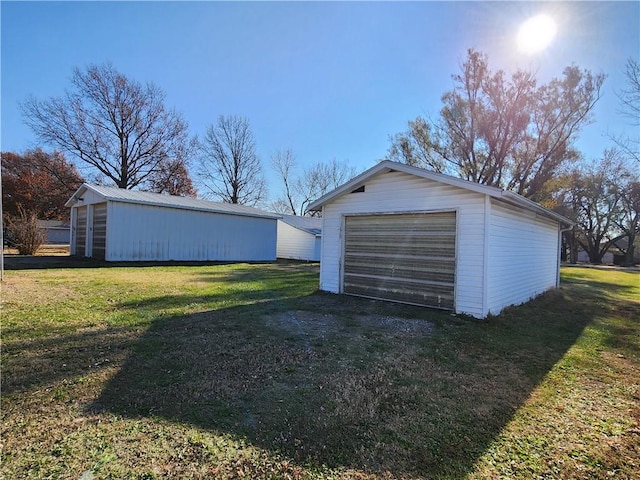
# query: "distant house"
[615,254]
[57,232]
[405,234]
[299,238]
[583,257]
[114,224]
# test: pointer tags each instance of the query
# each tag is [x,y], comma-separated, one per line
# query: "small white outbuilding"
[299,238]
[114,224]
[409,235]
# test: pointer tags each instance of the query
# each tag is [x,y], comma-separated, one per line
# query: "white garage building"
[299,238]
[114,224]
[406,234]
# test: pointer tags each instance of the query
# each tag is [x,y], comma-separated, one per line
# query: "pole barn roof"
[160,200]
[312,225]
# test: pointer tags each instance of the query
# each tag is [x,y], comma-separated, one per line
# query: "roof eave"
[193,209]
[388,166]
[75,198]
[521,201]
[352,184]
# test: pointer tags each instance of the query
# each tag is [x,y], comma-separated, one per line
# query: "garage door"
[406,258]
[81,230]
[99,230]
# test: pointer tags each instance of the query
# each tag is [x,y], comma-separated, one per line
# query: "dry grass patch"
[43,250]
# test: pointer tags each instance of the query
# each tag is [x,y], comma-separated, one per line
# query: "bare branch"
[230,170]
[110,122]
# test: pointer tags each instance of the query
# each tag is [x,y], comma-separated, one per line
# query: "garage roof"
[389,166]
[312,225]
[115,194]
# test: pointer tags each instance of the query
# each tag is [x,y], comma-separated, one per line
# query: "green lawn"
[246,371]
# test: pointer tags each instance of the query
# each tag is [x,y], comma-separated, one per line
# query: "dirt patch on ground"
[321,325]
[397,326]
[305,324]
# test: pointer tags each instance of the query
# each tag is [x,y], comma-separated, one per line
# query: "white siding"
[523,256]
[90,197]
[144,233]
[297,244]
[400,192]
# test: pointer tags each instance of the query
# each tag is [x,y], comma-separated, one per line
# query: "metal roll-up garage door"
[406,258]
[81,230]
[99,230]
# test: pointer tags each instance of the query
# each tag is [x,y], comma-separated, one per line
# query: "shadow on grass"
[242,285]
[65,352]
[45,262]
[67,355]
[322,380]
[595,289]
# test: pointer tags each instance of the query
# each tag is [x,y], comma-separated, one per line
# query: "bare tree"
[284,163]
[230,170]
[302,188]
[111,123]
[630,96]
[629,220]
[630,108]
[280,206]
[321,178]
[592,197]
[508,133]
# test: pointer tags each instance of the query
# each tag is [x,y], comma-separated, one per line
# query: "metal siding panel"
[142,232]
[294,243]
[402,257]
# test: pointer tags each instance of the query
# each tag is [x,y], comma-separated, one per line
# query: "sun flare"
[536,34]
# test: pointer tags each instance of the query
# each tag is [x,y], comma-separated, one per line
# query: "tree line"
[502,130]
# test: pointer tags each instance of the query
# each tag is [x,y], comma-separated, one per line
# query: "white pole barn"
[114,224]
[299,238]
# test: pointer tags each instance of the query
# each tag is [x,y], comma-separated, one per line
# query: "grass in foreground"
[244,371]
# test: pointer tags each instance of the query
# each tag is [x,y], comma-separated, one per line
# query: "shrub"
[23,232]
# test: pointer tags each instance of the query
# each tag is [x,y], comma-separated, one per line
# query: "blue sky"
[326,80]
